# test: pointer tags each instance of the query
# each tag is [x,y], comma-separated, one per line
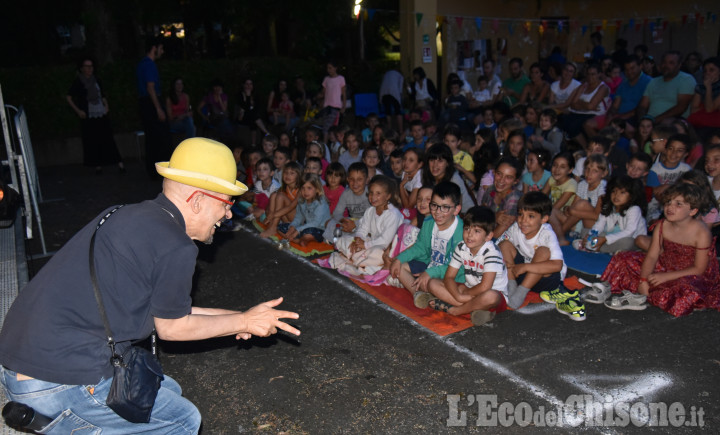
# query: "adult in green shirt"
[513,86]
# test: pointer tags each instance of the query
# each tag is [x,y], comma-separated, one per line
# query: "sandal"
[640,299]
[628,301]
[441,305]
[481,317]
[597,293]
[421,299]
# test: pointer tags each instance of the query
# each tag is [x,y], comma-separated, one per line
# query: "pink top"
[333,196]
[333,91]
[181,107]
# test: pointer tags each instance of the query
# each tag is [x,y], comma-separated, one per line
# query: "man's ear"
[195,203]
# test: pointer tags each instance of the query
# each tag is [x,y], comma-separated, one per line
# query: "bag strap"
[115,359]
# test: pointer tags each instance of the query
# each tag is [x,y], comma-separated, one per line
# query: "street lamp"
[357,10]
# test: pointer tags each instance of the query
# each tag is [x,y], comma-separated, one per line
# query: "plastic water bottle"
[592,239]
[337,233]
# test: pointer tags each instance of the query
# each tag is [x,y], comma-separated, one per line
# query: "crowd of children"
[470,217]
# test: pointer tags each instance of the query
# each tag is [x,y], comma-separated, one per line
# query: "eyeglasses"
[444,208]
[227,207]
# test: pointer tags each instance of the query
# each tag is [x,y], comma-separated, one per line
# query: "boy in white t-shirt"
[534,260]
[484,292]
[666,170]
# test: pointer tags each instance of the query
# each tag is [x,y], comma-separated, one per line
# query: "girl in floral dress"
[679,273]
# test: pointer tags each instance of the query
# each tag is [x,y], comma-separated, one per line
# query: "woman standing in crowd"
[247,113]
[179,110]
[86,99]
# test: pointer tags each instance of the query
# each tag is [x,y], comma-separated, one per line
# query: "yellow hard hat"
[203,163]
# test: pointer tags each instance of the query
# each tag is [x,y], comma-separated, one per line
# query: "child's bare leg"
[438,289]
[406,277]
[557,218]
[484,301]
[580,205]
[271,227]
[272,206]
[257,212]
[541,254]
[643,242]
[305,239]
[508,252]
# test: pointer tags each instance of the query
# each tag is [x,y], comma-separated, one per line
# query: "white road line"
[486,362]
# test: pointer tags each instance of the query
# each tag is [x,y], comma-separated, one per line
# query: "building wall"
[504,19]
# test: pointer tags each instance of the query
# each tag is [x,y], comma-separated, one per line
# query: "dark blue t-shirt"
[147,72]
[144,261]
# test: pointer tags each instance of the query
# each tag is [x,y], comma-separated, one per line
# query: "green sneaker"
[572,308]
[558,295]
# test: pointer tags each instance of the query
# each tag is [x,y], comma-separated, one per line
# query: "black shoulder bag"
[137,372]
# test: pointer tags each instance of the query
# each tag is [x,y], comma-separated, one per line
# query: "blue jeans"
[81,409]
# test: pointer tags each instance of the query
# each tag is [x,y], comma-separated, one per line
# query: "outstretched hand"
[263,320]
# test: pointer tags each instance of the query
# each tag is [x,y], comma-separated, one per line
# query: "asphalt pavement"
[360,367]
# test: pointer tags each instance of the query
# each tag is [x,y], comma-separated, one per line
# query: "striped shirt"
[487,259]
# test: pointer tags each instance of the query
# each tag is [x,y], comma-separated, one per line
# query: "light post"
[357,10]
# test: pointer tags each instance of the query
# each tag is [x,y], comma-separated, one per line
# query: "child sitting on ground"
[263,189]
[561,187]
[361,253]
[463,161]
[502,197]
[585,210]
[412,162]
[537,174]
[269,145]
[548,135]
[534,260]
[390,143]
[485,289]
[310,215]
[417,136]
[371,158]
[313,165]
[679,273]
[429,256]
[316,149]
[621,218]
[396,165]
[353,201]
[666,170]
[335,186]
[352,153]
[281,157]
[283,202]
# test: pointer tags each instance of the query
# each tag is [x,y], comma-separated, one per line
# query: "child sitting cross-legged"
[361,253]
[310,215]
[621,217]
[679,273]
[485,289]
[429,256]
[352,203]
[262,189]
[283,202]
[534,260]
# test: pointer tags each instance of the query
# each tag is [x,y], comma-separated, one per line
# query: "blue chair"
[366,104]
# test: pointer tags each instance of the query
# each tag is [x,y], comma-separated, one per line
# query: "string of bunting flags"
[572,25]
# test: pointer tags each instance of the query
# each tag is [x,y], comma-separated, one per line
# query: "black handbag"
[137,372]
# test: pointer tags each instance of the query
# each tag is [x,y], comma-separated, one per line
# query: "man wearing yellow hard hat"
[54,347]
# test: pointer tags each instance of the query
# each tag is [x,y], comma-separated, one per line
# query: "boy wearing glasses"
[534,260]
[440,233]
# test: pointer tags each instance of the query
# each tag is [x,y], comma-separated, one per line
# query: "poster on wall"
[472,53]
[427,55]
